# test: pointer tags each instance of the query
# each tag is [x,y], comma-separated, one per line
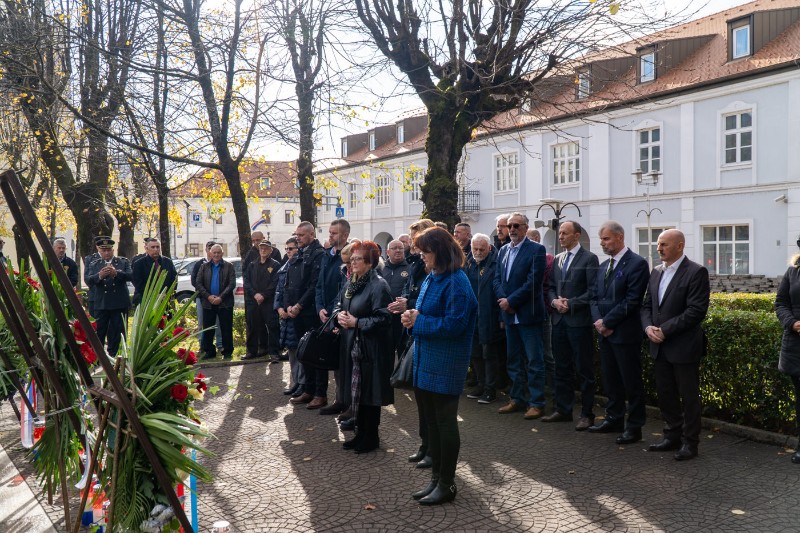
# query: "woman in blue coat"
[443,324]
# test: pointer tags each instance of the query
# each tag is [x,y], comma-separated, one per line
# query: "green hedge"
[740,381]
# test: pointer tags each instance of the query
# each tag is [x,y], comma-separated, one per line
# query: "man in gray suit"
[571,278]
[677,301]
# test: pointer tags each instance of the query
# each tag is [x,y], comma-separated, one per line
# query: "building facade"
[696,128]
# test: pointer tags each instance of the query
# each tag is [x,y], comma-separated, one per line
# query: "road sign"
[339,212]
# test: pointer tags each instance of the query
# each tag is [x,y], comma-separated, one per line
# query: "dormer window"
[647,66]
[371,141]
[584,85]
[264,183]
[401,135]
[344,147]
[740,38]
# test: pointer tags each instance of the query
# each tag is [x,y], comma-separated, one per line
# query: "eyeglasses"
[515,226]
[290,248]
[356,259]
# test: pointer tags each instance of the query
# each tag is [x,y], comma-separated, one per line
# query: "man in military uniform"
[87,261]
[70,267]
[109,276]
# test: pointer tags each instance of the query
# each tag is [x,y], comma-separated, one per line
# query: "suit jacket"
[680,313]
[523,285]
[575,287]
[141,272]
[618,302]
[481,277]
[227,284]
[109,292]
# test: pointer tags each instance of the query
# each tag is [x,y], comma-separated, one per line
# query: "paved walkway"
[282,468]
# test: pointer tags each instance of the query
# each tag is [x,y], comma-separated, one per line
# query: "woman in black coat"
[787,306]
[362,311]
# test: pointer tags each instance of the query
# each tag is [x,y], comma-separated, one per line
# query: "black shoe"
[686,452]
[427,490]
[487,398]
[475,393]
[299,392]
[352,443]
[419,456]
[796,456]
[557,416]
[630,436]
[664,445]
[334,409]
[291,390]
[367,445]
[426,462]
[348,425]
[607,426]
[274,359]
[441,494]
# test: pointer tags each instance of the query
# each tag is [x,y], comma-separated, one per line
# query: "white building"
[711,109]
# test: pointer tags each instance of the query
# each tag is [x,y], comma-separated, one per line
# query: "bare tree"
[471,60]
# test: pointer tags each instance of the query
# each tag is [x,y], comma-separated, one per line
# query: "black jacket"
[416,275]
[71,268]
[329,282]
[141,272]
[262,278]
[311,256]
[374,320]
[481,277]
[227,284]
[396,275]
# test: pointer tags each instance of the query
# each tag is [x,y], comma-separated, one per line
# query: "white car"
[185,289]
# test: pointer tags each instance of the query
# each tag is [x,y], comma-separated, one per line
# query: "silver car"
[185,289]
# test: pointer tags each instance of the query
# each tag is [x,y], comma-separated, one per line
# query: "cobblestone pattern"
[281,468]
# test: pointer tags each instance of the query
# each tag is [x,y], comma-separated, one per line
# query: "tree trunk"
[126,247]
[162,192]
[22,249]
[305,164]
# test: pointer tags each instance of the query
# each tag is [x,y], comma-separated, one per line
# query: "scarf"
[357,284]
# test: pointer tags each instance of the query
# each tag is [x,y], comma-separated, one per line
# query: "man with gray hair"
[70,266]
[501,225]
[488,340]
[617,295]
[216,282]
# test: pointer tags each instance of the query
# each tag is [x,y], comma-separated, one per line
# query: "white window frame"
[649,145]
[264,183]
[415,183]
[653,244]
[401,134]
[344,147]
[382,190]
[352,193]
[647,59]
[506,171]
[563,162]
[288,216]
[733,242]
[584,88]
[736,133]
[371,141]
[735,32]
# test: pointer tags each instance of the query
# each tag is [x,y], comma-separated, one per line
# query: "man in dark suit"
[143,267]
[109,276]
[676,304]
[617,298]
[518,287]
[571,279]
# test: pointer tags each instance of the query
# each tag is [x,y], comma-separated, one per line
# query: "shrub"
[743,301]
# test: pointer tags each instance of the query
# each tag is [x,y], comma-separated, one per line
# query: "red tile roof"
[282,176]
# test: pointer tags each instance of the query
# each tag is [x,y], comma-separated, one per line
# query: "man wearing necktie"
[571,279]
[677,302]
[617,298]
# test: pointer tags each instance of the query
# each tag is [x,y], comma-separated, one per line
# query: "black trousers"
[676,383]
[263,334]
[622,380]
[111,327]
[210,316]
[573,350]
[444,442]
[316,379]
[484,362]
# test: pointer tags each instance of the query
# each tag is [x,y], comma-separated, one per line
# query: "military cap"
[104,242]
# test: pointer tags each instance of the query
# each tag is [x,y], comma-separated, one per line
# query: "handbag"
[319,347]
[403,375]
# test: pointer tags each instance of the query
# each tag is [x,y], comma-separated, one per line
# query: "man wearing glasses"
[518,286]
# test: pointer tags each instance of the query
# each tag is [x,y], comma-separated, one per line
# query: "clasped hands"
[408,318]
[655,334]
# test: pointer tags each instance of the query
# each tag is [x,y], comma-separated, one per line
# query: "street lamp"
[648,180]
[557,206]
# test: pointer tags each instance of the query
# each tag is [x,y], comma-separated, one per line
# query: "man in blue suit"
[518,286]
[618,292]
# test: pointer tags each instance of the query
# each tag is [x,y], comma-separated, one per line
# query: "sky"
[380,112]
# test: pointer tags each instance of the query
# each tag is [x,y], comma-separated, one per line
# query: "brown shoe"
[317,402]
[533,413]
[584,423]
[303,398]
[510,407]
[557,416]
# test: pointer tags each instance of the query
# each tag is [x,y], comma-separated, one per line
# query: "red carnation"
[201,385]
[191,359]
[162,323]
[80,334]
[33,283]
[179,391]
[181,353]
[180,332]
[88,353]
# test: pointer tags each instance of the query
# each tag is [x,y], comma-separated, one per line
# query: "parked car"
[184,288]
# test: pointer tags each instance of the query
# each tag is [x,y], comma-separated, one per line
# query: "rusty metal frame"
[25,218]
